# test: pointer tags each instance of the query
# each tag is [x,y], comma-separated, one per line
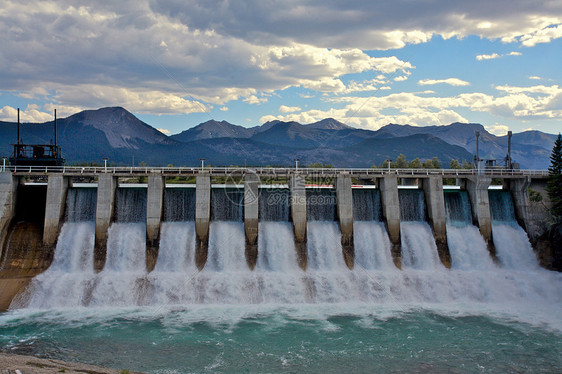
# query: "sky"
[177,63]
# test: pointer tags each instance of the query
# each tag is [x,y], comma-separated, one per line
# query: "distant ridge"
[92,135]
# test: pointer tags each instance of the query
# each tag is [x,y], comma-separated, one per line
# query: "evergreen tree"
[554,183]
[415,163]
[401,162]
[454,164]
[435,163]
[427,164]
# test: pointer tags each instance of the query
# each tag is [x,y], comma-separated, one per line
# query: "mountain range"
[115,133]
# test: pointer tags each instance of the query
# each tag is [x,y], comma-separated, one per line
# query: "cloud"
[30,114]
[164,131]
[495,55]
[497,129]
[545,35]
[368,85]
[223,109]
[425,108]
[173,57]
[487,57]
[365,25]
[289,109]
[450,81]
[254,100]
[534,77]
[136,100]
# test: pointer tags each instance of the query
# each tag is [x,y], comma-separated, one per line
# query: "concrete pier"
[154,206]
[251,211]
[344,197]
[519,192]
[388,186]
[107,184]
[202,217]
[477,188]
[298,216]
[435,200]
[8,193]
[57,189]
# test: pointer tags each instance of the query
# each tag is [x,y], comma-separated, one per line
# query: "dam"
[250,270]
[294,224]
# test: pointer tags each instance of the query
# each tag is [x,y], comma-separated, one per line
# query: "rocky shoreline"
[12,363]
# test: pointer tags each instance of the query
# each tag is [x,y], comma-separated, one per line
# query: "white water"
[324,246]
[278,275]
[468,249]
[177,247]
[74,252]
[419,250]
[372,246]
[119,281]
[66,280]
[227,247]
[277,279]
[276,249]
[512,247]
[126,248]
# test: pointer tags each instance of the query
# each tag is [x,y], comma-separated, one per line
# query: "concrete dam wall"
[114,216]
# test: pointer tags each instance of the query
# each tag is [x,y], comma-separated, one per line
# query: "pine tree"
[554,183]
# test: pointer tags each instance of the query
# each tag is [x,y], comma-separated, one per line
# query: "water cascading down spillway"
[69,281]
[466,244]
[419,250]
[277,278]
[126,262]
[279,275]
[177,233]
[171,280]
[372,245]
[513,248]
[324,251]
[226,232]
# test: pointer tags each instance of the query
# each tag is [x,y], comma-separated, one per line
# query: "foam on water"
[70,274]
[277,279]
[512,247]
[126,248]
[226,278]
[233,316]
[177,247]
[372,246]
[419,250]
[468,249]
[227,246]
[324,248]
[120,282]
[276,251]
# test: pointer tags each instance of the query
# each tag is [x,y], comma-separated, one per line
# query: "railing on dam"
[271,171]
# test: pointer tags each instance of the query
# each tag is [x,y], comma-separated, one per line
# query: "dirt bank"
[33,365]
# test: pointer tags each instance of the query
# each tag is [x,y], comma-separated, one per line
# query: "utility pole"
[477,157]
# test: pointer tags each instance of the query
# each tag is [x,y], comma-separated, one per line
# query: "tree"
[466,165]
[435,163]
[454,164]
[415,163]
[401,162]
[554,183]
[427,164]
